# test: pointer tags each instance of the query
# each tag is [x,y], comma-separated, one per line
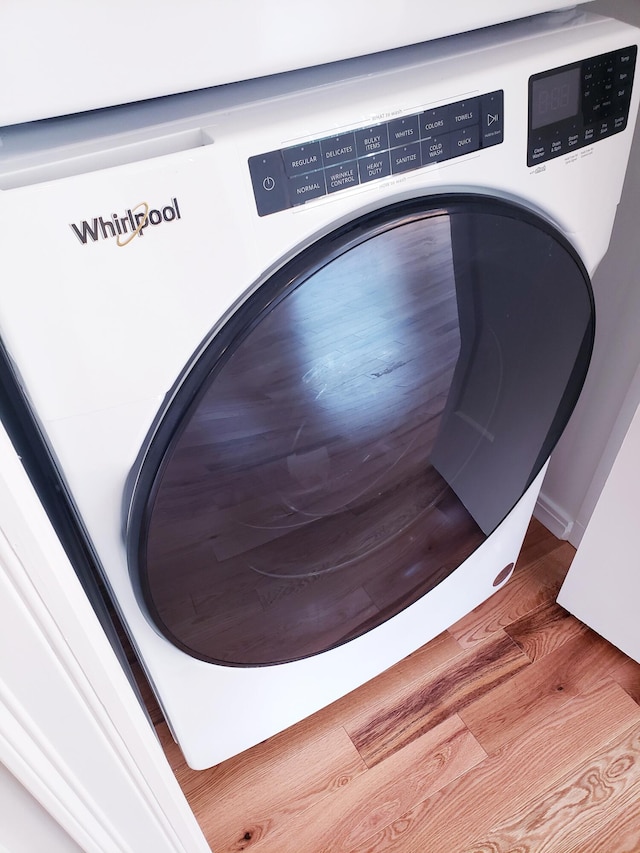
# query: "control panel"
[292,176]
[579,104]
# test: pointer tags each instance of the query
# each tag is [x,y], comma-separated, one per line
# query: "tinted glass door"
[358,428]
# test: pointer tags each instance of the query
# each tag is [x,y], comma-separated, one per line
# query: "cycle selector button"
[294,175]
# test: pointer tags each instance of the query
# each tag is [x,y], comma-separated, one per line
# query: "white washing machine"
[300,348]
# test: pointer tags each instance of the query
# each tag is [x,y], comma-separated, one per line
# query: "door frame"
[71,729]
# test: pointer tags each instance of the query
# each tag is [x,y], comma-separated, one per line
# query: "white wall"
[602,587]
[583,457]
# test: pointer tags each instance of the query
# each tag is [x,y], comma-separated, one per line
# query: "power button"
[269,183]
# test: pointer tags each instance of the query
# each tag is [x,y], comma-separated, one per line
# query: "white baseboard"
[553,517]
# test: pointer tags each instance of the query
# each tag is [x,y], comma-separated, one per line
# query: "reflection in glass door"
[368,417]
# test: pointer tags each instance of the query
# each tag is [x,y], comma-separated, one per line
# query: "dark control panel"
[291,176]
[579,104]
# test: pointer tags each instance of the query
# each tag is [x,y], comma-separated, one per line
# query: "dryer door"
[358,427]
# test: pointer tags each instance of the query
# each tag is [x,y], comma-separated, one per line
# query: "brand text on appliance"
[124,227]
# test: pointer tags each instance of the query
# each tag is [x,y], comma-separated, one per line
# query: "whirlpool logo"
[125,226]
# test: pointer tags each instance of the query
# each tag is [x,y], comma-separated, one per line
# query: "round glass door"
[361,424]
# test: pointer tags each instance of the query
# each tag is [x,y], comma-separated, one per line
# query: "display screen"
[555,97]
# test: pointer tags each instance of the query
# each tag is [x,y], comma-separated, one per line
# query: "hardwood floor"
[518,730]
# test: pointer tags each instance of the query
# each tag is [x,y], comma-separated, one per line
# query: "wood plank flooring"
[516,731]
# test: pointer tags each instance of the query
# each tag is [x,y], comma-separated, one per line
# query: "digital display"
[555,97]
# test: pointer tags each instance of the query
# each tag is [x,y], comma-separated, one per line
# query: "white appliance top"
[68,57]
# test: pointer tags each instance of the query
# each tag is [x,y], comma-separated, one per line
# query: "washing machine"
[299,348]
